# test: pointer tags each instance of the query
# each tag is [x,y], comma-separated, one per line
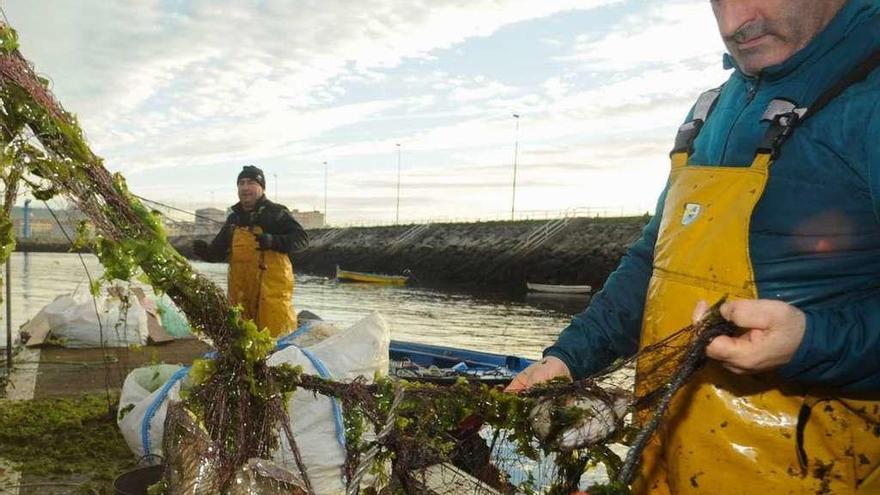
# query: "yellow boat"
[370,278]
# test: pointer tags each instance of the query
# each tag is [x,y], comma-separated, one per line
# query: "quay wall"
[484,254]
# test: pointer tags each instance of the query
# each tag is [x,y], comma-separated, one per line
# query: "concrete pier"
[486,254]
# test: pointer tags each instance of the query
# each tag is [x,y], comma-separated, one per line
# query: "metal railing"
[525,215]
[541,235]
[409,235]
[327,236]
[544,232]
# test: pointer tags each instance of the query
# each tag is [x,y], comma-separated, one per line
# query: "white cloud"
[556,88]
[239,70]
[481,91]
[668,32]
[552,42]
[293,82]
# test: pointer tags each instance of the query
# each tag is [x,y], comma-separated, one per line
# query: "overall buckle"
[784,116]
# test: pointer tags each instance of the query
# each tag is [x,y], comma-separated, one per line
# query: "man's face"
[249,192]
[761,33]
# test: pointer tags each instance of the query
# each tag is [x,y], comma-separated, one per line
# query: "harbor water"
[513,324]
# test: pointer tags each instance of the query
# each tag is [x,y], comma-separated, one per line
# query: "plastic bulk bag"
[75,323]
[143,403]
[316,421]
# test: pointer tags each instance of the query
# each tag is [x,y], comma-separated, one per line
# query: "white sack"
[360,350]
[74,322]
[139,391]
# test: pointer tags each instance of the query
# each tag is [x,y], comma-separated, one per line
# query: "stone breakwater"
[486,254]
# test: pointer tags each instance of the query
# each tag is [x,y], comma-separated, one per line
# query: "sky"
[179,95]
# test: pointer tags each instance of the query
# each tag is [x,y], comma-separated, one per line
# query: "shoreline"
[476,256]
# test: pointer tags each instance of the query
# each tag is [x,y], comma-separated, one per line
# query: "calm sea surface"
[500,323]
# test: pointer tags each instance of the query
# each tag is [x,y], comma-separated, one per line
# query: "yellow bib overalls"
[729,434]
[261,282]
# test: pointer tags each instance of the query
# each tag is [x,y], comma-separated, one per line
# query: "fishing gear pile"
[219,439]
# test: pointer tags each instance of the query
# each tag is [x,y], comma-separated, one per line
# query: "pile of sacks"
[316,421]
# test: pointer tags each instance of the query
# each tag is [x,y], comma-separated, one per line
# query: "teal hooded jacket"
[814,236]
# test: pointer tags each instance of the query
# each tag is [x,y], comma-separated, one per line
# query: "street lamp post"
[515,153]
[325,193]
[397,211]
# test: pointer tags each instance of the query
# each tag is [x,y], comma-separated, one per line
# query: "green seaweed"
[237,388]
[59,437]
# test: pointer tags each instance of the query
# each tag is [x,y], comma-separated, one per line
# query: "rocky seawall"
[485,254]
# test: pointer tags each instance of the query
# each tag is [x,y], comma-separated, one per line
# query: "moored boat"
[427,362]
[370,278]
[559,289]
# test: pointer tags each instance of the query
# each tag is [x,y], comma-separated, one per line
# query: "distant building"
[210,215]
[175,228]
[209,220]
[308,219]
[43,226]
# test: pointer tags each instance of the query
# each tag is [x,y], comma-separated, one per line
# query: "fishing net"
[400,436]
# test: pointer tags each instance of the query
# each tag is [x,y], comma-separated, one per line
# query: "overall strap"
[687,132]
[785,116]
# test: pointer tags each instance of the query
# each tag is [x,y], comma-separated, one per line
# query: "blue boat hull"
[448,362]
[427,355]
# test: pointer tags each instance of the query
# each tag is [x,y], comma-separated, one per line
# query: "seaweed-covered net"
[404,436]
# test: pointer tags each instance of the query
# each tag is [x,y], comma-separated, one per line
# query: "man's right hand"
[200,248]
[546,369]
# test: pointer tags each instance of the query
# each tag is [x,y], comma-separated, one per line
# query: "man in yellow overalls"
[257,239]
[774,200]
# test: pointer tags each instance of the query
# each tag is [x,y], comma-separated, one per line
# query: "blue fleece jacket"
[815,233]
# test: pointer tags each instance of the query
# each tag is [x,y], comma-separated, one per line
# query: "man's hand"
[200,248]
[265,241]
[773,332]
[545,369]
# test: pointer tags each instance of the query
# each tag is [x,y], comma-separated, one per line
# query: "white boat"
[559,289]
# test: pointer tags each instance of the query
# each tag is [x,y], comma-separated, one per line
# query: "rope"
[156,404]
[287,340]
[337,409]
[94,304]
[371,453]
[692,360]
[176,209]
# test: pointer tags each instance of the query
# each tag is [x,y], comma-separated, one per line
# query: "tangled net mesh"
[412,437]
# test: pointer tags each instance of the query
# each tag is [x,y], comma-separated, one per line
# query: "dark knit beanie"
[253,173]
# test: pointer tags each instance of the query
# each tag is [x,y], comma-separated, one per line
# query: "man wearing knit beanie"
[258,240]
[254,173]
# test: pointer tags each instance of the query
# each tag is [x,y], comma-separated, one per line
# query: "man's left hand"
[773,332]
[265,241]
